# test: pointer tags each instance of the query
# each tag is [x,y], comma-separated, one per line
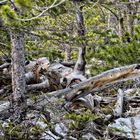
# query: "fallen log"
[32,70]
[40,86]
[30,77]
[97,82]
[73,78]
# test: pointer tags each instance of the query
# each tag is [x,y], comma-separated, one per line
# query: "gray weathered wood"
[100,80]
[119,104]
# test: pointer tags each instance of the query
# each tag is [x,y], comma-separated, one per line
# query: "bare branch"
[40,86]
[5,65]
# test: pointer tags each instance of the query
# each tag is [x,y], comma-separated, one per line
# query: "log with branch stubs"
[58,80]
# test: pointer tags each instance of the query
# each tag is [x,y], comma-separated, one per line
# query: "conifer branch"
[51,6]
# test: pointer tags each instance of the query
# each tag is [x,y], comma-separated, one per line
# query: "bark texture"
[18,76]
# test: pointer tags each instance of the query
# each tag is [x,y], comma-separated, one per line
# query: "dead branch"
[119,104]
[5,65]
[68,64]
[40,86]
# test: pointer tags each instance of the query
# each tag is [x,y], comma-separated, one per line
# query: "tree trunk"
[120,12]
[67,53]
[111,22]
[121,27]
[18,76]
[68,49]
[132,9]
[130,19]
[80,64]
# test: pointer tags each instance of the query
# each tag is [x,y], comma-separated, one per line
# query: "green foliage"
[24,3]
[22,132]
[8,15]
[51,31]
[115,53]
[80,120]
[33,50]
[58,10]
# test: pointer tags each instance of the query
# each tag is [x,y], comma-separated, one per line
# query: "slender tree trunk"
[111,22]
[121,29]
[80,64]
[132,9]
[67,46]
[18,76]
[137,21]
[130,19]
[120,12]
[67,53]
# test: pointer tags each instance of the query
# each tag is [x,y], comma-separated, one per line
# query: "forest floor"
[63,104]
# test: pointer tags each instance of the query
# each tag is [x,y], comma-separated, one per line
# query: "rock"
[4,105]
[127,127]
[60,128]
[71,138]
[48,135]
[89,136]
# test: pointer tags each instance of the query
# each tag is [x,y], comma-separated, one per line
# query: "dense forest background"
[111,31]
[89,37]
